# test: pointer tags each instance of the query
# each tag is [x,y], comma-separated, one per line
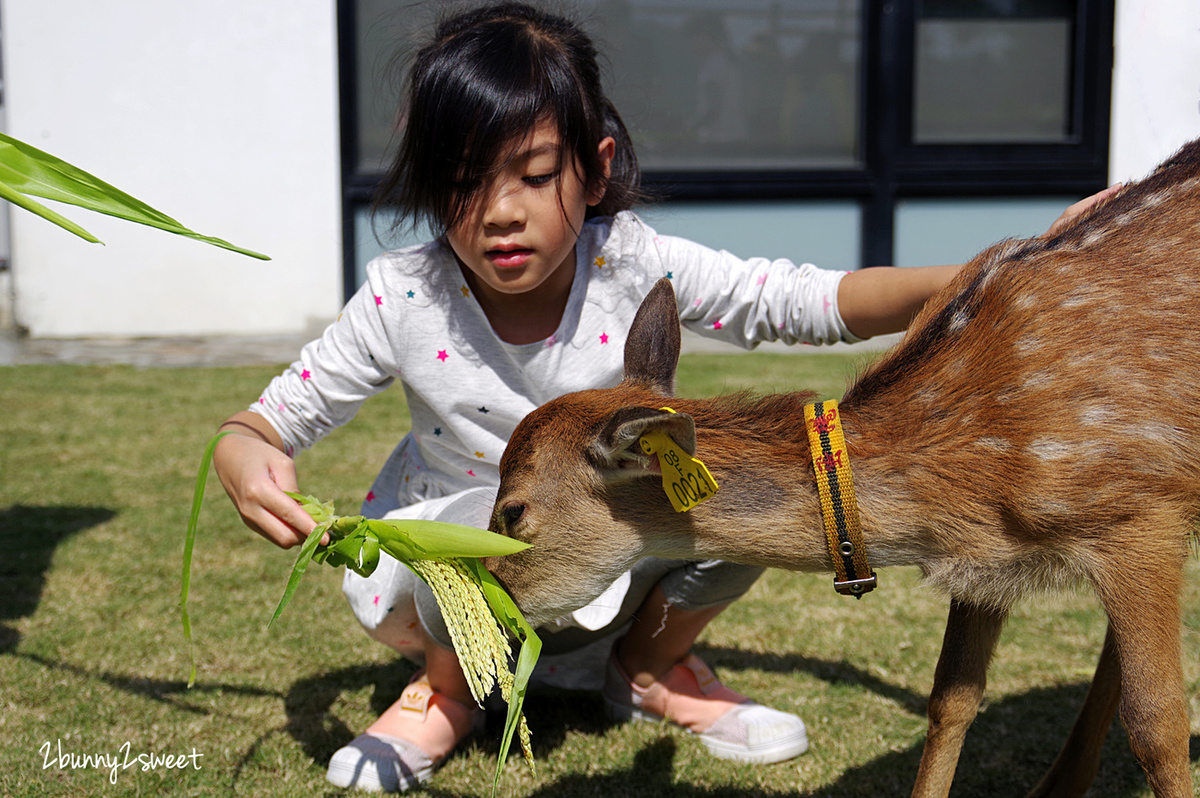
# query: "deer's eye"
[512,514]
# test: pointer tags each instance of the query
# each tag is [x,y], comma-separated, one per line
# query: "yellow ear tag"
[686,480]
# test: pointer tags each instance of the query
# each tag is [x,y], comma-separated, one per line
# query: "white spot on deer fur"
[1155,199]
[1161,433]
[1049,449]
[1028,345]
[988,274]
[926,397]
[959,320]
[1078,298]
[1184,186]
[1037,380]
[996,444]
[1096,415]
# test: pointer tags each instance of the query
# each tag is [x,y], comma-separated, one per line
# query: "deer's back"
[1056,383]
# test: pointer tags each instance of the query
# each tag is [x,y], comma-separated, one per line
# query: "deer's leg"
[1075,767]
[958,683]
[1142,601]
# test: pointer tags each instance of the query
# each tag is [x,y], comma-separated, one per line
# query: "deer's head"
[576,486]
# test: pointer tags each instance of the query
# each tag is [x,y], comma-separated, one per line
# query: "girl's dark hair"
[485,80]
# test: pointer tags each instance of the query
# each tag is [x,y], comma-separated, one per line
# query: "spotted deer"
[1038,427]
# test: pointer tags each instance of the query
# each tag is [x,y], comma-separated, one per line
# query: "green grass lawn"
[96,472]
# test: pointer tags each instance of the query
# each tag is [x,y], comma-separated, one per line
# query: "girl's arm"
[884,299]
[335,374]
[255,473]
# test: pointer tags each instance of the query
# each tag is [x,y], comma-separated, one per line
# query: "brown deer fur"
[1038,427]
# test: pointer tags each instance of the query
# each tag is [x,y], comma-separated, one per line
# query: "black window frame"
[892,165]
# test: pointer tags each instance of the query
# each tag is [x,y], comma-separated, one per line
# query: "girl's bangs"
[497,118]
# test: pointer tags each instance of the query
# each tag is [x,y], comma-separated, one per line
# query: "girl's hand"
[255,473]
[1082,206]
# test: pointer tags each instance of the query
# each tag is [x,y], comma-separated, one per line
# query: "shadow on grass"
[1008,748]
[165,691]
[829,671]
[31,534]
[319,732]
[309,703]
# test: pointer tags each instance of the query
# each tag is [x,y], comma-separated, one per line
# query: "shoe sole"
[780,751]
[348,777]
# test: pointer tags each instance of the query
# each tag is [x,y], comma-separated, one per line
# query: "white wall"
[1156,83]
[220,113]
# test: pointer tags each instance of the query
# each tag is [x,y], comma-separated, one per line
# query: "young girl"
[513,153]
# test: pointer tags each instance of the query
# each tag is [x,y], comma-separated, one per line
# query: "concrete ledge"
[179,352]
[234,350]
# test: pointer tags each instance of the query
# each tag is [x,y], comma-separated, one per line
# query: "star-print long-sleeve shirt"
[414,320]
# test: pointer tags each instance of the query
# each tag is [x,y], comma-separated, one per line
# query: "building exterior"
[250,122]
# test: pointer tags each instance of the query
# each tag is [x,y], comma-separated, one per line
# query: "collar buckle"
[856,587]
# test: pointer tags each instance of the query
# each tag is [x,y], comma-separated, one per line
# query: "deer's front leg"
[958,683]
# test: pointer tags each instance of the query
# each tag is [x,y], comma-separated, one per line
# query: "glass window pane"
[935,231]
[740,84]
[381,29]
[824,233]
[376,233]
[995,72]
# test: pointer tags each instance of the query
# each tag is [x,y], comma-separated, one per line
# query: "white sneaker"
[380,763]
[748,732]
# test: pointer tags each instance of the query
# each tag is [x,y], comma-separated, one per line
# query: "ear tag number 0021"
[686,480]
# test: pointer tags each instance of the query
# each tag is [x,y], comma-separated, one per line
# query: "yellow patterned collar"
[839,508]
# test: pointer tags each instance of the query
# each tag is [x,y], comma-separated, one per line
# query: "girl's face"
[521,228]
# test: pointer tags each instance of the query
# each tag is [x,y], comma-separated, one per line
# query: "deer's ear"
[617,444]
[652,348]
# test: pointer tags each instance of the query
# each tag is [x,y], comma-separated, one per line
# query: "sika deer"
[1039,426]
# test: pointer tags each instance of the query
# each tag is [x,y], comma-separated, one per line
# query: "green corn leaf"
[506,612]
[26,170]
[189,543]
[395,543]
[306,554]
[358,551]
[319,510]
[17,198]
[436,540]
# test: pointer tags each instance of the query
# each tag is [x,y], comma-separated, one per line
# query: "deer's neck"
[767,511]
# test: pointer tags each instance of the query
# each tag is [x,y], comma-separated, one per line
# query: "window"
[987,77]
[879,110]
[755,85]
